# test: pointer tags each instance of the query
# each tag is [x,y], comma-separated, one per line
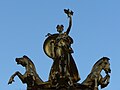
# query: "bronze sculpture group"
[63,74]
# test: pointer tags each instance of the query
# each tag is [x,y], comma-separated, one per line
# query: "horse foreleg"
[12,77]
[105,81]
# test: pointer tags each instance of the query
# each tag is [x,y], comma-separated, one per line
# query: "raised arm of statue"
[69,14]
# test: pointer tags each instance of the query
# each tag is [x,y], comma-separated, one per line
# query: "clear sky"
[24,24]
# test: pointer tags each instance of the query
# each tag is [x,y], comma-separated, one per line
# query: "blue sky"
[24,24]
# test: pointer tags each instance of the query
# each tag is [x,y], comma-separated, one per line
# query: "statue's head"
[60,28]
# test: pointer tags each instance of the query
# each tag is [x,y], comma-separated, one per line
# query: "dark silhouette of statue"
[60,45]
[30,77]
[63,73]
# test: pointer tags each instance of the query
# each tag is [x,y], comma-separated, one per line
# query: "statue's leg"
[104,81]
[96,84]
[12,77]
[22,78]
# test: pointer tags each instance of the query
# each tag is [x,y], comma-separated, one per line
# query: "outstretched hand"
[68,12]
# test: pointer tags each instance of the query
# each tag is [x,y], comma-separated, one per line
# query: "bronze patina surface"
[63,73]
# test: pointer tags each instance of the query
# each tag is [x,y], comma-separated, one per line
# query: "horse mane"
[30,62]
[99,62]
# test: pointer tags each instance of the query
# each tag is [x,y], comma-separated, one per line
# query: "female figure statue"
[63,65]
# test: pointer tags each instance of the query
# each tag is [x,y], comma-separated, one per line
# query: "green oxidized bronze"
[64,73]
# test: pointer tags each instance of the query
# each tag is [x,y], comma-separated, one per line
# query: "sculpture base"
[75,87]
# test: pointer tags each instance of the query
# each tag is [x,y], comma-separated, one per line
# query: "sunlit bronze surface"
[63,73]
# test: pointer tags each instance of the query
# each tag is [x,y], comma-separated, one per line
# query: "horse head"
[102,64]
[25,62]
[22,61]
